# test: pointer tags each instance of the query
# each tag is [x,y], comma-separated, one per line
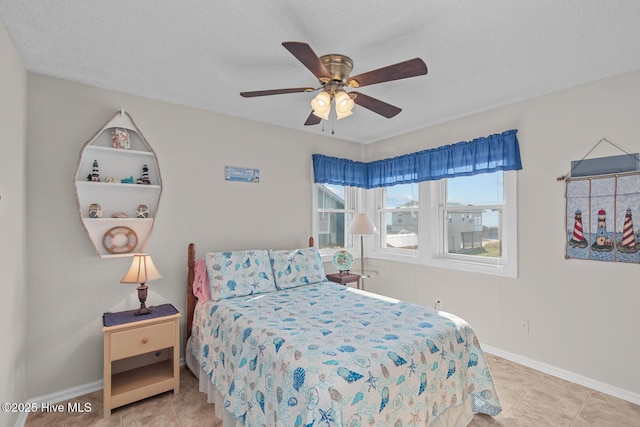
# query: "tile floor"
[529,399]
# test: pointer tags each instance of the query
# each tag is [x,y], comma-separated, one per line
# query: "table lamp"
[361,225]
[141,271]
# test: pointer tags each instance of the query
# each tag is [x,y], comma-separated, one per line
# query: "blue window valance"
[481,155]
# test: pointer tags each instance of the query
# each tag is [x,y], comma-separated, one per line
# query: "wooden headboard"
[191,298]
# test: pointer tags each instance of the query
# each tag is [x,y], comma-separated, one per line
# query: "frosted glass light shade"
[361,224]
[321,105]
[344,105]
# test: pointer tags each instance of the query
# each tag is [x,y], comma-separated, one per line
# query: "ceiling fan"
[332,71]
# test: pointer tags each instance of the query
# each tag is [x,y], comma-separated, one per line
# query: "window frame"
[431,236]
[431,245]
[437,254]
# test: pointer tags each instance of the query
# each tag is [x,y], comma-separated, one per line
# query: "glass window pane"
[399,217]
[331,229]
[401,229]
[481,189]
[330,196]
[474,232]
[400,196]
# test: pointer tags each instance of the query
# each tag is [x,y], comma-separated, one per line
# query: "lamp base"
[142,310]
[142,296]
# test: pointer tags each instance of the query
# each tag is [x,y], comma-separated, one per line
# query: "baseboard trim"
[60,396]
[66,394]
[565,375]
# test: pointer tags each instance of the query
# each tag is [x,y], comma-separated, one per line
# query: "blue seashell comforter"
[328,355]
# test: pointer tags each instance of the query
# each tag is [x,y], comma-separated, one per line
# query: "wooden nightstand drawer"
[142,340]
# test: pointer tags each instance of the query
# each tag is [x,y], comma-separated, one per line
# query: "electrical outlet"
[524,326]
[438,304]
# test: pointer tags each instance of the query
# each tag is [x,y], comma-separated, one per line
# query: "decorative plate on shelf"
[342,260]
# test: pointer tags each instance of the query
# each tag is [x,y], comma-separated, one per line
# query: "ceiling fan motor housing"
[338,66]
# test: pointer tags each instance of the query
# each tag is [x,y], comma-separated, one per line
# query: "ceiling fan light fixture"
[321,105]
[344,104]
[342,115]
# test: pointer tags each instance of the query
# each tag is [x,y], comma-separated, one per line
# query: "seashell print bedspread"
[330,355]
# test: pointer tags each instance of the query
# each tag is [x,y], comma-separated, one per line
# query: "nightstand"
[141,355]
[343,278]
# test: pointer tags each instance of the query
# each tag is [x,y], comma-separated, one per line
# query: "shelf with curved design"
[118,188]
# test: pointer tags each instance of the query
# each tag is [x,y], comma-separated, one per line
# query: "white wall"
[583,314]
[13,106]
[70,287]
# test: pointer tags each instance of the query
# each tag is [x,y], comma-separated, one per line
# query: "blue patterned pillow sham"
[297,267]
[239,273]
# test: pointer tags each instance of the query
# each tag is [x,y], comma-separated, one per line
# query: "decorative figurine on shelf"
[95,211]
[142,212]
[110,179]
[120,138]
[144,179]
[94,175]
[127,180]
[119,215]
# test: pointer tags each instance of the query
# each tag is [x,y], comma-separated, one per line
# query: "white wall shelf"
[118,197]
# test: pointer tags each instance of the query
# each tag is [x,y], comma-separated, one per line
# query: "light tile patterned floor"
[529,399]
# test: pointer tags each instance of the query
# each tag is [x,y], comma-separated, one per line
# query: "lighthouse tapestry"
[599,219]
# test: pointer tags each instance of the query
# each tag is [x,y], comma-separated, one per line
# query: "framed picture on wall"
[232,173]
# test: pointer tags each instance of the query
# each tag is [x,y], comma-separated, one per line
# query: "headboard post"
[191,298]
[311,242]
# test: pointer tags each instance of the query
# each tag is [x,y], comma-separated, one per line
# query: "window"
[466,222]
[398,209]
[473,223]
[335,207]
[473,211]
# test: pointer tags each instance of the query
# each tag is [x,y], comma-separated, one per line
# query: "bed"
[274,343]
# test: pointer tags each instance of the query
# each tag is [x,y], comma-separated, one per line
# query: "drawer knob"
[145,340]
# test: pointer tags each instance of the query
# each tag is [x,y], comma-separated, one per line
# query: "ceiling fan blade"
[312,120]
[276,91]
[309,59]
[402,70]
[375,105]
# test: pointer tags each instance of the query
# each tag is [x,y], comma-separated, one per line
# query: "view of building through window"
[473,215]
[399,217]
[471,210]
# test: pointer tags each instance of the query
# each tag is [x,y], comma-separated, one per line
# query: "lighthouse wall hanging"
[599,217]
[118,188]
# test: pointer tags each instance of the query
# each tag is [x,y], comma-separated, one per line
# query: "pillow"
[235,274]
[297,267]
[201,281]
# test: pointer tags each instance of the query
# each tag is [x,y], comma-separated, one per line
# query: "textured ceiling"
[202,53]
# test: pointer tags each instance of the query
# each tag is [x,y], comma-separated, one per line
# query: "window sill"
[451,264]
